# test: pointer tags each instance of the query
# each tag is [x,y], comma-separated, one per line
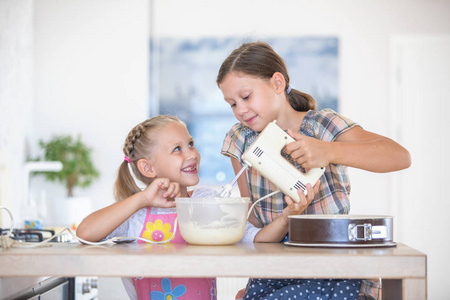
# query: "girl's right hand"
[307,151]
[161,192]
[296,208]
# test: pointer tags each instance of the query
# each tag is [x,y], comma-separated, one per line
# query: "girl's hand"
[278,228]
[159,193]
[294,208]
[307,151]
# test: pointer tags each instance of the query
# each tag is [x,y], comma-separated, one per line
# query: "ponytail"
[301,101]
[125,185]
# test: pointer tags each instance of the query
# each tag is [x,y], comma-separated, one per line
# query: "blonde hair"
[139,144]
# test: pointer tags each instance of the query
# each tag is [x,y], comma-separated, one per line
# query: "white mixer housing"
[264,155]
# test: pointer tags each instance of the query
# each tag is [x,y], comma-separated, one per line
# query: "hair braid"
[131,139]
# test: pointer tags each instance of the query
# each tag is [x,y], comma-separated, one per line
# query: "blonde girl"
[160,163]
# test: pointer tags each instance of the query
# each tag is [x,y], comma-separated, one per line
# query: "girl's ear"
[278,82]
[146,168]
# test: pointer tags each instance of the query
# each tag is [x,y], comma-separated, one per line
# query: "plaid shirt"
[333,195]
[334,191]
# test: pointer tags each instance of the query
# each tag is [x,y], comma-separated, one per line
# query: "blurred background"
[97,68]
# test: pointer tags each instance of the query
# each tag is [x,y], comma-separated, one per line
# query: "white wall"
[70,67]
[91,62]
[16,95]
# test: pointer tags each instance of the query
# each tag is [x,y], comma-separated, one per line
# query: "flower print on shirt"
[157,232]
[168,293]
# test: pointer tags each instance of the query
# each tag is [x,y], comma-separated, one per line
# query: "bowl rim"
[213,200]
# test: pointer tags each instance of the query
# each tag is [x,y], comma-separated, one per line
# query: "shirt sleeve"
[250,232]
[131,227]
[233,143]
[327,125]
[120,231]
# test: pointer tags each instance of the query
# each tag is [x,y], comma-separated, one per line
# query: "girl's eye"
[246,97]
[177,149]
[191,144]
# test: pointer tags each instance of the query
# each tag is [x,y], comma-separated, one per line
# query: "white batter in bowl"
[212,220]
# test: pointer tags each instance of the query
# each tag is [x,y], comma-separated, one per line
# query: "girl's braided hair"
[140,143]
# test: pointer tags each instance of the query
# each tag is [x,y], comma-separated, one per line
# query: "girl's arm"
[279,227]
[102,222]
[356,148]
[99,224]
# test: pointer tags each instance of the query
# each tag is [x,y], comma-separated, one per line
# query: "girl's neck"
[291,119]
[184,192]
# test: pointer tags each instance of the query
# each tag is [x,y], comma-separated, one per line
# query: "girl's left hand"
[307,151]
[296,208]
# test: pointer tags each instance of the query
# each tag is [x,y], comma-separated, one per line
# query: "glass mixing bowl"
[212,221]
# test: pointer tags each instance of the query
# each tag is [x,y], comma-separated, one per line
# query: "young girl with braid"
[160,163]
[255,83]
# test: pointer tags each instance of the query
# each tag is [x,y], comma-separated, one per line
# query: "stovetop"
[32,235]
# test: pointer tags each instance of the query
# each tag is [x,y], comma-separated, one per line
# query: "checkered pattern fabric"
[333,195]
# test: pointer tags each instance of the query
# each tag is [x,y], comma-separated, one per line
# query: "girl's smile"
[190,169]
[250,120]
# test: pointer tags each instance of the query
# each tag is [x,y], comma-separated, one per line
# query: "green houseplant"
[78,168]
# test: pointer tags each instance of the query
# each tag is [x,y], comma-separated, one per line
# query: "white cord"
[266,196]
[123,238]
[12,220]
[7,242]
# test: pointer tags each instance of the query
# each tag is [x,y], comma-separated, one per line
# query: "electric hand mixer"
[264,155]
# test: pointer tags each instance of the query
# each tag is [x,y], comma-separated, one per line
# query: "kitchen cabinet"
[35,288]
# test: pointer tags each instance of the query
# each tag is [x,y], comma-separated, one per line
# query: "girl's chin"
[192,180]
[256,128]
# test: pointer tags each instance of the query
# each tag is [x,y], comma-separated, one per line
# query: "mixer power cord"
[7,242]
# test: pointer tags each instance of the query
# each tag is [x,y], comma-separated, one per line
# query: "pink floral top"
[157,225]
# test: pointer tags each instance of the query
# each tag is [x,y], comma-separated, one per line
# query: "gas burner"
[30,235]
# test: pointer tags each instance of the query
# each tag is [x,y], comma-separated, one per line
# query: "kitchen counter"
[402,268]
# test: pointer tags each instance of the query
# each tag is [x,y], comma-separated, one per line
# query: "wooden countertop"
[270,260]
